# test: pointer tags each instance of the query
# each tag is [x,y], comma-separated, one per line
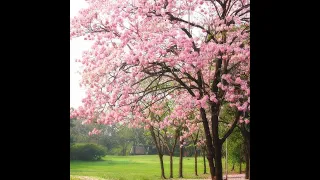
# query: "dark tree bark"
[217,142]
[247,158]
[246,135]
[195,161]
[218,161]
[162,166]
[159,149]
[124,150]
[247,166]
[204,161]
[210,148]
[171,150]
[181,162]
[171,165]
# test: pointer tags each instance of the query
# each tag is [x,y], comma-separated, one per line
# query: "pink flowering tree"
[155,125]
[165,129]
[170,123]
[191,131]
[145,51]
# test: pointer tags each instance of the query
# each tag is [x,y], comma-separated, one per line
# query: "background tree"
[126,137]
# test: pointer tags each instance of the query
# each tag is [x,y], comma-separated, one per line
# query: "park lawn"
[139,167]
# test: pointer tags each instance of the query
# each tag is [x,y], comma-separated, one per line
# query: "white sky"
[76,47]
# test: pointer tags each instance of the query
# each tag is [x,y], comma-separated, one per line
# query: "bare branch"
[240,9]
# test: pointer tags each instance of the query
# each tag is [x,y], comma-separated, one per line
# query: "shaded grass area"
[140,167]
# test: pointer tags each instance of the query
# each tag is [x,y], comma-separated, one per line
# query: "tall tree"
[125,138]
[204,60]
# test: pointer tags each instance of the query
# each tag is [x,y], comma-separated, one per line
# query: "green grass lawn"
[140,167]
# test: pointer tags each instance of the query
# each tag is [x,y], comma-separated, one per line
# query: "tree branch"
[226,135]
[240,9]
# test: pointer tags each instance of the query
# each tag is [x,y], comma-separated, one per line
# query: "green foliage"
[80,132]
[117,139]
[235,140]
[147,138]
[86,152]
[226,117]
[71,137]
[71,141]
[116,151]
[235,147]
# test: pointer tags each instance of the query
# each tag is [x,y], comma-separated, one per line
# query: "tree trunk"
[195,161]
[171,165]
[159,152]
[217,142]
[162,167]
[232,167]
[208,143]
[218,161]
[247,158]
[248,161]
[246,135]
[125,150]
[217,147]
[180,162]
[204,161]
[240,159]
[215,110]
[172,152]
[247,153]
[247,166]
[249,169]
[212,167]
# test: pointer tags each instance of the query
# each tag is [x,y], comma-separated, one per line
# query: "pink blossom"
[238,80]
[213,99]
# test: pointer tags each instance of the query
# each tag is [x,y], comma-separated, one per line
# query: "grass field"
[142,167]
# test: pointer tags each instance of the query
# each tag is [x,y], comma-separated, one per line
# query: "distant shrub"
[87,152]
